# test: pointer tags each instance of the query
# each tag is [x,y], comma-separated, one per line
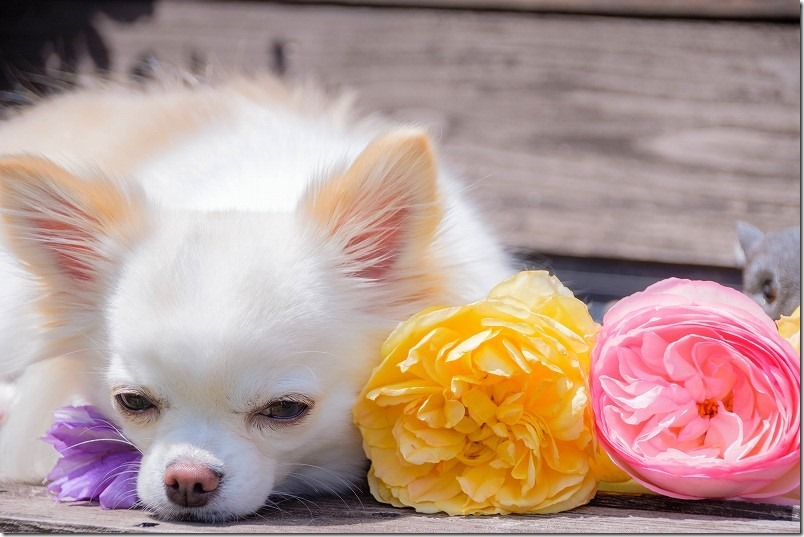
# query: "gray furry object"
[771,267]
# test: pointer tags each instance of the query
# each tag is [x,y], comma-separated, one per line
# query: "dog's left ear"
[64,228]
[383,211]
[69,232]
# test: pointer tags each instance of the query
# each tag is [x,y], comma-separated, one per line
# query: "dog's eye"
[133,402]
[286,410]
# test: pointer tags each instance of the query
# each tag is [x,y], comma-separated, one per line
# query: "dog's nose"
[190,484]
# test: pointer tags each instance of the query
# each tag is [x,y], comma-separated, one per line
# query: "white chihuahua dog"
[215,268]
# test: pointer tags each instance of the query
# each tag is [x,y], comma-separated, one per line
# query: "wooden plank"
[715,9]
[26,509]
[581,136]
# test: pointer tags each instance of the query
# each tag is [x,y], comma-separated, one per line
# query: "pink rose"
[696,395]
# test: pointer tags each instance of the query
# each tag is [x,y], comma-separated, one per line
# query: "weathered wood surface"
[635,139]
[720,9]
[28,509]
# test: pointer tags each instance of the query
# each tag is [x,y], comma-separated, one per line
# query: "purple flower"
[97,462]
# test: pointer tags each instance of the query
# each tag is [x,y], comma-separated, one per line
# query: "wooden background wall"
[613,130]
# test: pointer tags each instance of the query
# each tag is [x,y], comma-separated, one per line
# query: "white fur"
[227,299]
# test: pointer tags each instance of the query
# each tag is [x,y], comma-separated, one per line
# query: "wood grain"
[606,137]
[26,509]
[719,9]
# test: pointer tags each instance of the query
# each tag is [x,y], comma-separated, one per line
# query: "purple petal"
[97,462]
[121,492]
[91,480]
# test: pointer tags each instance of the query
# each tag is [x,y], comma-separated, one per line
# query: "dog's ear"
[383,211]
[65,229]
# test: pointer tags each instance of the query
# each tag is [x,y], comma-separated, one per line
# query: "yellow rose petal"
[454,412]
[481,434]
[380,490]
[577,494]
[439,437]
[531,289]
[430,343]
[477,454]
[567,458]
[479,483]
[506,451]
[481,408]
[460,384]
[525,470]
[390,468]
[419,444]
[521,328]
[379,438]
[365,413]
[431,411]
[605,470]
[516,355]
[469,344]
[466,426]
[500,429]
[790,328]
[567,425]
[401,392]
[433,488]
[489,359]
[510,414]
[540,352]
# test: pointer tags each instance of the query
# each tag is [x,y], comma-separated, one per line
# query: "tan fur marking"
[104,200]
[100,206]
[394,157]
[115,128]
[386,202]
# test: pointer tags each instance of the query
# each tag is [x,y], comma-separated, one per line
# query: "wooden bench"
[615,142]
[26,509]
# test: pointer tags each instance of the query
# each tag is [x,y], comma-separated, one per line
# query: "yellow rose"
[790,328]
[485,408]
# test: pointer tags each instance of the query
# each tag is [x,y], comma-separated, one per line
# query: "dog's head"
[234,343]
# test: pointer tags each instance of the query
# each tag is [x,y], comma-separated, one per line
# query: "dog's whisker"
[120,433]
[111,475]
[301,353]
[331,490]
[349,484]
[115,440]
[302,500]
[308,479]
[126,496]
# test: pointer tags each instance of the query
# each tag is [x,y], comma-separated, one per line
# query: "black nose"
[191,484]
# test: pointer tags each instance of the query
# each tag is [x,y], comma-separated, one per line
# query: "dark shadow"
[599,282]
[43,41]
